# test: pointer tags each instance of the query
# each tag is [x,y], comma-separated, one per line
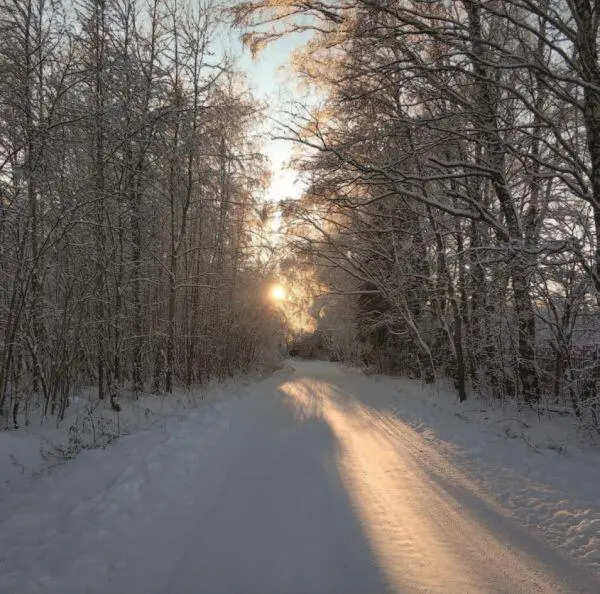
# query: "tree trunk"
[495,152]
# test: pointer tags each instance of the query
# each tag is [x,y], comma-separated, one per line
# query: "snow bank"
[541,468]
[90,424]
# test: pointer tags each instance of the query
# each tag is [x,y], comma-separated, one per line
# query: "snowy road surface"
[298,486]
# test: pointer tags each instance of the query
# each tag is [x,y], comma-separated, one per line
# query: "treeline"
[128,180]
[454,170]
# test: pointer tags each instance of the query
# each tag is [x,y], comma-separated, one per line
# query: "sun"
[278,293]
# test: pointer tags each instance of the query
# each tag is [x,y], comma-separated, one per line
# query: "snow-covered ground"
[542,469]
[43,444]
[316,480]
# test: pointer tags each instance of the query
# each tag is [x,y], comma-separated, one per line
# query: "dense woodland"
[450,226]
[129,176]
[452,152]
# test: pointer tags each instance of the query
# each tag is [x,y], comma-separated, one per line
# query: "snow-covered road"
[299,486]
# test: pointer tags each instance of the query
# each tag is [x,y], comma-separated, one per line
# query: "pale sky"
[271,80]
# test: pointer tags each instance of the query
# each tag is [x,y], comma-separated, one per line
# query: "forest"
[451,153]
[130,173]
[449,225]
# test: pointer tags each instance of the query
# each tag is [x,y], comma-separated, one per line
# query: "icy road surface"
[296,487]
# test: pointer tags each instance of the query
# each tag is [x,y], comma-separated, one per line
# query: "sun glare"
[278,293]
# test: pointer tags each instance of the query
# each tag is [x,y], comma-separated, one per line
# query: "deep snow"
[316,480]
